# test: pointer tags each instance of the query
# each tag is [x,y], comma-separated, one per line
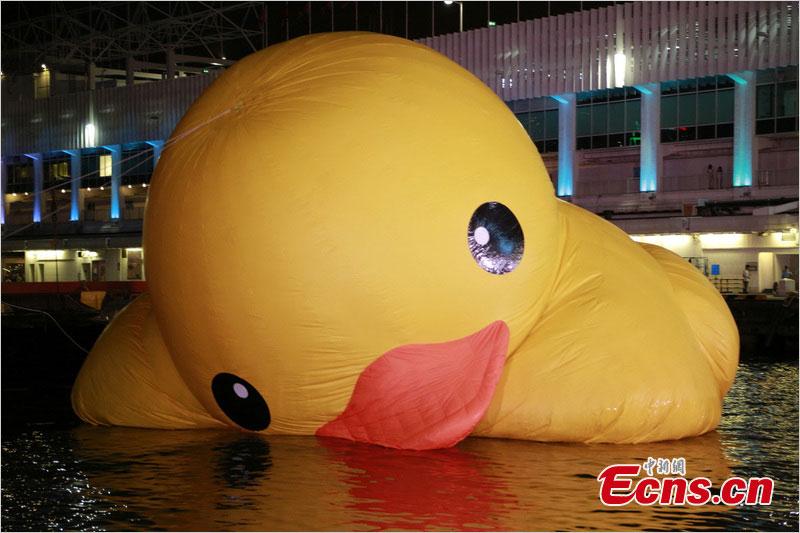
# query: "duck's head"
[334,198]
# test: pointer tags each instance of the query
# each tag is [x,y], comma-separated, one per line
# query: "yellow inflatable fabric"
[350,235]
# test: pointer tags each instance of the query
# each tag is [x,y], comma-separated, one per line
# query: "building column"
[91,75]
[76,207]
[129,69]
[3,188]
[745,155]
[116,182]
[38,185]
[650,148]
[566,143]
[171,63]
[158,146]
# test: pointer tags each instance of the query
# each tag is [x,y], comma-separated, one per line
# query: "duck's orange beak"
[424,396]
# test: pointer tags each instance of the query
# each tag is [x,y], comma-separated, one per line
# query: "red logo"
[618,486]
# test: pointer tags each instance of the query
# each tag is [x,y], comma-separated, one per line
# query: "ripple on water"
[90,478]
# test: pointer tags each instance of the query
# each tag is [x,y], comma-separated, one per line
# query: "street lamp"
[460,13]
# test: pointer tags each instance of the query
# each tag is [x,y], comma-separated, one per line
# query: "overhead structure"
[107,34]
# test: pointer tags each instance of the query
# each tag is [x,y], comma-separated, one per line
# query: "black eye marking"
[240,401]
[495,238]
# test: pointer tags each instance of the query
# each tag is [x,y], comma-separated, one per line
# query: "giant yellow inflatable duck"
[352,236]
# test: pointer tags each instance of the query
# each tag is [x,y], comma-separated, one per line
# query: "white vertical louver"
[661,41]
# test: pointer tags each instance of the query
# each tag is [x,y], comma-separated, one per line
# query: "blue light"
[38,176]
[648,175]
[566,143]
[738,79]
[76,183]
[744,100]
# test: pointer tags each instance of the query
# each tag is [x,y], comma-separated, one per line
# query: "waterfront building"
[676,121]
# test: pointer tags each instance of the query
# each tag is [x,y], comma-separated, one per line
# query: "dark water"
[57,475]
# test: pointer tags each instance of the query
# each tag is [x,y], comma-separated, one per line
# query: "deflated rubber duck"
[349,235]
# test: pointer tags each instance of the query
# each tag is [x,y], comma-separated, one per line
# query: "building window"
[105,166]
[20,176]
[697,109]
[608,118]
[776,101]
[95,168]
[541,123]
[57,172]
[137,164]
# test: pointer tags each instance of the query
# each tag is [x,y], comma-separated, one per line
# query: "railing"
[97,214]
[28,287]
[607,187]
[133,213]
[780,177]
[697,182]
[724,180]
[63,215]
[19,218]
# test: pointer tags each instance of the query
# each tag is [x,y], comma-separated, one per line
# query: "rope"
[51,318]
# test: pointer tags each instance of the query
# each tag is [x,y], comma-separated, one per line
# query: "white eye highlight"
[240,390]
[481,235]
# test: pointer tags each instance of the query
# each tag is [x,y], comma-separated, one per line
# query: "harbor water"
[60,474]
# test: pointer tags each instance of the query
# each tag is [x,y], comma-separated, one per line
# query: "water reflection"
[129,479]
[409,490]
[224,480]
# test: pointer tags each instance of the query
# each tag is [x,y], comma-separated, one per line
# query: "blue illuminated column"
[3,187]
[650,148]
[75,173]
[745,162]
[566,143]
[158,146]
[38,185]
[116,157]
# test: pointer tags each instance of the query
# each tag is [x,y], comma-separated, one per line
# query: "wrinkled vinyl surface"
[350,234]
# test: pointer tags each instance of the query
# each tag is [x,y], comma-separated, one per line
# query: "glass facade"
[608,118]
[137,163]
[776,101]
[697,109]
[91,167]
[57,171]
[19,173]
[541,123]
[693,109]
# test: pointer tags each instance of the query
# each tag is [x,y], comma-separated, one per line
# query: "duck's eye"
[495,238]
[240,401]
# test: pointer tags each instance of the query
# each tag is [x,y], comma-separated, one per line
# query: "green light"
[492,23]
[205,71]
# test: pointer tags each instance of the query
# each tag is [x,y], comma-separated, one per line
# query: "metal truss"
[107,33]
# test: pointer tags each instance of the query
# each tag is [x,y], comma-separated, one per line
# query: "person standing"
[746,277]
[787,272]
[710,172]
[718,180]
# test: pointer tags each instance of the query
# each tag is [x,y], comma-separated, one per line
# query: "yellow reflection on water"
[215,480]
